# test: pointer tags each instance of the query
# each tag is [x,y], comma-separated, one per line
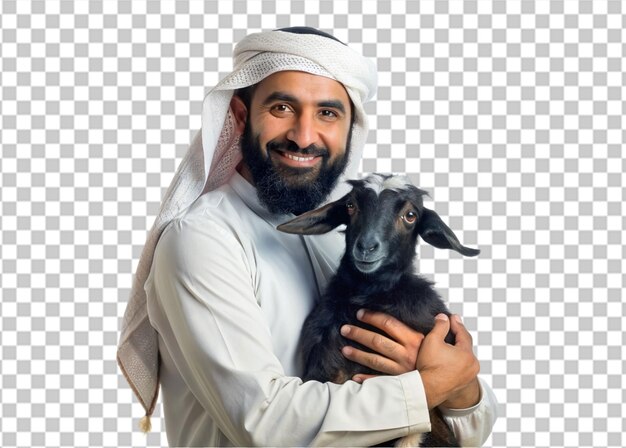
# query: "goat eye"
[350,207]
[410,217]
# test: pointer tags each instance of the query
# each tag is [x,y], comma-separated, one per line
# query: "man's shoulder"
[217,207]
[208,219]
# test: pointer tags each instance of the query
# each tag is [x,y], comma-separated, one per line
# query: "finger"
[463,338]
[441,328]
[362,377]
[395,328]
[372,340]
[372,360]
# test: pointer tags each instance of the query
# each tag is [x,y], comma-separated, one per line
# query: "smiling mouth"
[298,160]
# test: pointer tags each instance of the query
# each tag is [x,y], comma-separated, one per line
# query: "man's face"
[296,140]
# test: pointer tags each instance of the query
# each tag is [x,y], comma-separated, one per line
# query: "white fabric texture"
[213,156]
[229,314]
[465,422]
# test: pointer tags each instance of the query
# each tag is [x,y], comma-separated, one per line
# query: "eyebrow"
[282,96]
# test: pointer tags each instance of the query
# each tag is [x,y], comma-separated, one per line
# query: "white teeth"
[298,159]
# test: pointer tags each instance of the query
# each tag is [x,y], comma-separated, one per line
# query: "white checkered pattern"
[510,113]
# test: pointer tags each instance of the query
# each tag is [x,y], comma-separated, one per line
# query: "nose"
[302,133]
[368,246]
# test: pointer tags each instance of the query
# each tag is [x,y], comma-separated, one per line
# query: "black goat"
[384,216]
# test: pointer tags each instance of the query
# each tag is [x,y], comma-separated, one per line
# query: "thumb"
[442,326]
[462,338]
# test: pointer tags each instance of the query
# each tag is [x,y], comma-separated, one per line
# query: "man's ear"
[436,233]
[240,113]
[318,221]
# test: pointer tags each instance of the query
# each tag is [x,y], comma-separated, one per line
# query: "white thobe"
[228,295]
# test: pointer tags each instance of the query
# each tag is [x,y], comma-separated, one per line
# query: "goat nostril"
[367,246]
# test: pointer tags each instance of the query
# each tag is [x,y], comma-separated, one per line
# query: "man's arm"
[212,326]
[449,373]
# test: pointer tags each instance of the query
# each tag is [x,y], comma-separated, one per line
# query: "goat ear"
[436,233]
[321,220]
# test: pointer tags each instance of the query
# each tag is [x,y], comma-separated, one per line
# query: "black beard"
[285,189]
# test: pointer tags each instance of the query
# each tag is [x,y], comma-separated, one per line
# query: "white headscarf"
[213,157]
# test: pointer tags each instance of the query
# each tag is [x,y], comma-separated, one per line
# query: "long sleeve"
[222,381]
[473,426]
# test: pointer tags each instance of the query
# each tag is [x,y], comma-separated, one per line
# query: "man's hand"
[394,355]
[449,371]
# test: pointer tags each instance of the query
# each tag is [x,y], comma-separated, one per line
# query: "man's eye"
[281,108]
[329,113]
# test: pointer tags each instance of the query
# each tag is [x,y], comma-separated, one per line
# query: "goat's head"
[384,215]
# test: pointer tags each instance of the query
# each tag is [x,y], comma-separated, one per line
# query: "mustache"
[283,146]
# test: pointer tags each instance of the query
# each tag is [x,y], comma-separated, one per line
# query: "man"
[227,294]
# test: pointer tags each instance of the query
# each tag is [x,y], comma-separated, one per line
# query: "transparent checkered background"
[511,113]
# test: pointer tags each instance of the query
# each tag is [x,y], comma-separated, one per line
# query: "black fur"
[407,297]
[375,232]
